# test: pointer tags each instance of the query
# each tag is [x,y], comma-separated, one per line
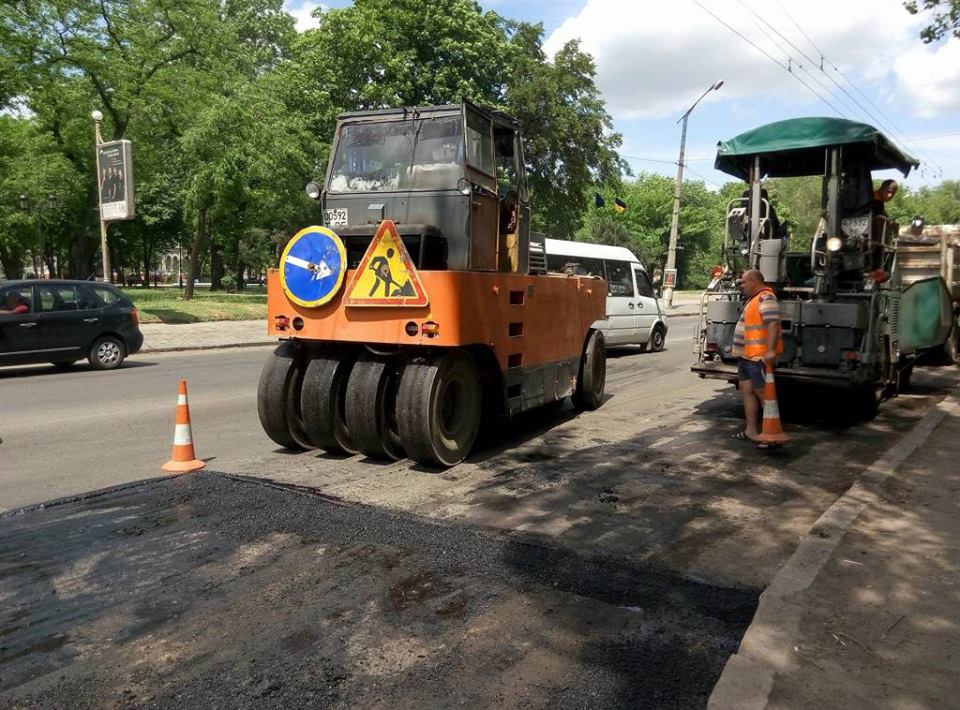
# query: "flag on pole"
[619,205]
[598,200]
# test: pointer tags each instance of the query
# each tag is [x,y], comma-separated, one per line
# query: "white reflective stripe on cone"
[769,377]
[181,399]
[181,435]
[771,410]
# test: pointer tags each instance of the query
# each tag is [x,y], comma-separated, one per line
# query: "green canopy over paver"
[796,147]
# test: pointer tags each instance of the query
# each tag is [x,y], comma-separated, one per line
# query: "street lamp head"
[717,85]
[96,116]
[23,201]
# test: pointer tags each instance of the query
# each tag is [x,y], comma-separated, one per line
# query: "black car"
[60,322]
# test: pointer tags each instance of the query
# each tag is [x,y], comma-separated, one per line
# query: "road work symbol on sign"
[386,276]
[312,266]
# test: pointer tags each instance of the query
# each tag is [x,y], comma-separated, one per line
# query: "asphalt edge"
[89,495]
[767,647]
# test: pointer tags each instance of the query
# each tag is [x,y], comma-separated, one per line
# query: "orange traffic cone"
[183,458]
[772,432]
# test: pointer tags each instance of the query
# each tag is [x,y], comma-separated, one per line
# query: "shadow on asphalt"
[47,370]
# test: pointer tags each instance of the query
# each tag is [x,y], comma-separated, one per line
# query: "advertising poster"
[115,176]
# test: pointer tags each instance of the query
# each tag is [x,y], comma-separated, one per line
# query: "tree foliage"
[943,16]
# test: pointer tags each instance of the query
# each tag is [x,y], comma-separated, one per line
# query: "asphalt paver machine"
[418,307]
[849,319]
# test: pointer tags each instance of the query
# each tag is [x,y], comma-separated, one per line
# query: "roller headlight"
[834,244]
[313,190]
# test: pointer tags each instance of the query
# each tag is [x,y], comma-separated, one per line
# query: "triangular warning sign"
[386,276]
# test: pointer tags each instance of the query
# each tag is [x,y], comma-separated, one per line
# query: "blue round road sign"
[312,266]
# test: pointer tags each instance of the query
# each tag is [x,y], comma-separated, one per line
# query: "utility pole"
[670,272]
[104,249]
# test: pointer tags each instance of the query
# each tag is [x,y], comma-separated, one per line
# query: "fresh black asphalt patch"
[206,590]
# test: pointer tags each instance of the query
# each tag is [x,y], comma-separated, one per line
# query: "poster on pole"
[115,180]
[670,278]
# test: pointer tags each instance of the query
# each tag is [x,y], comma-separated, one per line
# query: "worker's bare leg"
[752,407]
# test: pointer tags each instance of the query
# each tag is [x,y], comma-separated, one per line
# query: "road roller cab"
[415,307]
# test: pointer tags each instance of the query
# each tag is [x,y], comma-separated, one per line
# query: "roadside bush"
[229,283]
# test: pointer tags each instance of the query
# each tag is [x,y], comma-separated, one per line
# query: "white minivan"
[634,314]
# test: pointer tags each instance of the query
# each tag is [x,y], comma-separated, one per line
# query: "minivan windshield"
[413,154]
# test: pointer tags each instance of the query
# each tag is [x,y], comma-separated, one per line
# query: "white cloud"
[929,77]
[302,11]
[653,59]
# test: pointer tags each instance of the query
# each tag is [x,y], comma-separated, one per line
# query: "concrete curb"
[767,647]
[219,346]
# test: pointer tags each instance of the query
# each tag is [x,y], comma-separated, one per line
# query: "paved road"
[67,433]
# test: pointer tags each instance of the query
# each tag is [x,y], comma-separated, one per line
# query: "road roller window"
[480,143]
[418,154]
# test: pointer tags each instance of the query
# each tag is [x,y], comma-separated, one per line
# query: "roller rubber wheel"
[370,408]
[278,398]
[322,402]
[439,407]
[592,376]
[657,339]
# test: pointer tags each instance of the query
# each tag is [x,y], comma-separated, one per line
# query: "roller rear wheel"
[322,402]
[278,398]
[592,377]
[439,407]
[370,408]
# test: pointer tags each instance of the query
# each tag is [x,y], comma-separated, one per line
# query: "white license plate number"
[336,217]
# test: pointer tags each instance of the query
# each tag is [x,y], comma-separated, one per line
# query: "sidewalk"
[866,614]
[162,337]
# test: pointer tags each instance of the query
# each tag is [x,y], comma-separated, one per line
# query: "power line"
[769,56]
[823,58]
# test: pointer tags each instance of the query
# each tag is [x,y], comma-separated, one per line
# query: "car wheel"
[657,339]
[107,353]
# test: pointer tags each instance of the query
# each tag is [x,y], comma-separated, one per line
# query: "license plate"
[336,217]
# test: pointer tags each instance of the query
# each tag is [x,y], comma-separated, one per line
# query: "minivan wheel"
[657,339]
[107,353]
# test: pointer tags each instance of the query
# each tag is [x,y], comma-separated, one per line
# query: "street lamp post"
[675,222]
[104,250]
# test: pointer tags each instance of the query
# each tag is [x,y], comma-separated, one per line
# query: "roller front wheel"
[323,400]
[592,377]
[370,408]
[439,406]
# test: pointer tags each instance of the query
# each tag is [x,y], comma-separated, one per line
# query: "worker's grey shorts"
[753,371]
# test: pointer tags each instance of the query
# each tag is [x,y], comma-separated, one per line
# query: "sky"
[859,59]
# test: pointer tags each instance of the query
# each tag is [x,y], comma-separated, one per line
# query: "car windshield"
[417,154]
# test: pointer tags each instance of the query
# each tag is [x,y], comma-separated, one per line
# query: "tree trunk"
[216,265]
[85,242]
[12,263]
[241,283]
[198,241]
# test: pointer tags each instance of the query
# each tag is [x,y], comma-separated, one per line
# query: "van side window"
[619,280]
[644,287]
[575,265]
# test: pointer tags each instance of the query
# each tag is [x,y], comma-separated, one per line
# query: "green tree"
[389,53]
[246,162]
[943,16]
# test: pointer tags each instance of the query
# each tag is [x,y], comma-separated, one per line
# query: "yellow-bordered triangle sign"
[386,276]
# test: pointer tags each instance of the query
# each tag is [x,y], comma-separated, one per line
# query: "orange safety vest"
[755,330]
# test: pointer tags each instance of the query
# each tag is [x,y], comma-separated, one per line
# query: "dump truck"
[925,251]
[418,307]
[850,319]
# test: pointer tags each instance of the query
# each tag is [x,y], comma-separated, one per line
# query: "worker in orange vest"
[757,341]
